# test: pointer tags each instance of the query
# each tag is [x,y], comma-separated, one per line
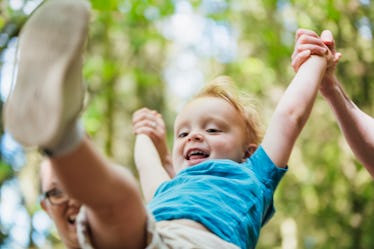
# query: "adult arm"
[356,126]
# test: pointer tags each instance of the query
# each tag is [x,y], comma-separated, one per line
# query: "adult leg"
[43,111]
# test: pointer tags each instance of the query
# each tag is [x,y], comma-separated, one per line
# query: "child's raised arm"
[152,158]
[294,108]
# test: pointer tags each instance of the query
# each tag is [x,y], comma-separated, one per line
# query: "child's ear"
[249,151]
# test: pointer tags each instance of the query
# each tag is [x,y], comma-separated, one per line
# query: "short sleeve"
[264,168]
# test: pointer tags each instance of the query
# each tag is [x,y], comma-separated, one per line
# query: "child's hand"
[151,123]
[308,43]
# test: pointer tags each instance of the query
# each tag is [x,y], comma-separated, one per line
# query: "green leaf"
[107,5]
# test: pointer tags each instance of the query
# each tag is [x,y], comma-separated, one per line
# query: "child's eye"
[182,134]
[212,130]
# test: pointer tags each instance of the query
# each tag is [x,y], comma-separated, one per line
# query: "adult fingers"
[328,40]
[299,59]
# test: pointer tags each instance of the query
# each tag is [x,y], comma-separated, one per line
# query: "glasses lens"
[56,196]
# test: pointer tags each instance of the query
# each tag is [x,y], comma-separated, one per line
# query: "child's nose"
[195,136]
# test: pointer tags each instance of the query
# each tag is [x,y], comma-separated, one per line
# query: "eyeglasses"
[55,196]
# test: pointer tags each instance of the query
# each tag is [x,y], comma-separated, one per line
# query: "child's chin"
[193,162]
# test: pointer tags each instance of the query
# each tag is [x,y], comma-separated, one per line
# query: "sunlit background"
[159,53]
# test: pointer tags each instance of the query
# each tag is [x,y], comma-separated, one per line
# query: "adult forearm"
[357,126]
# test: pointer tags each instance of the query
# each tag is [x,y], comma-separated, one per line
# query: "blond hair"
[224,87]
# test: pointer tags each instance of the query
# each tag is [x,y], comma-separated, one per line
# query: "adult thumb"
[327,37]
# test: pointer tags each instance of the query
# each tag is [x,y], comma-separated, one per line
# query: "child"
[357,126]
[219,198]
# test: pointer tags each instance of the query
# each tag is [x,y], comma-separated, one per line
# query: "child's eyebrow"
[180,125]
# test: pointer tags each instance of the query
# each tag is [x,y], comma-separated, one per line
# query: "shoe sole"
[51,42]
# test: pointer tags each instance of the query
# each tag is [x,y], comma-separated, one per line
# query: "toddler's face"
[208,128]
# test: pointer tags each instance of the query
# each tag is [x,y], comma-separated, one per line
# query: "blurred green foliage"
[326,199]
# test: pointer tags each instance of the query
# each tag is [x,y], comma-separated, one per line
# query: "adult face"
[208,128]
[63,213]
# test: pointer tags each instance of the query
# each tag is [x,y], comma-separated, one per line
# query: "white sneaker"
[48,95]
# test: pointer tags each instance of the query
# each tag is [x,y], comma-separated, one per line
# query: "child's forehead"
[207,107]
[207,101]
[203,104]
